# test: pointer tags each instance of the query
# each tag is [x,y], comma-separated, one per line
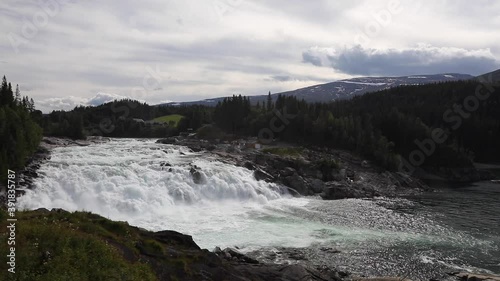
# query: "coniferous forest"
[20,133]
[386,126]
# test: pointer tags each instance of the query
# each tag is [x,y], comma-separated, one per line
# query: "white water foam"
[129,180]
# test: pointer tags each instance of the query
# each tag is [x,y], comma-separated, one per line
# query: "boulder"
[172,238]
[382,279]
[317,186]
[287,172]
[339,175]
[260,159]
[210,147]
[286,272]
[259,174]
[466,276]
[197,175]
[217,250]
[297,183]
[311,171]
[168,141]
[234,255]
[249,165]
[340,190]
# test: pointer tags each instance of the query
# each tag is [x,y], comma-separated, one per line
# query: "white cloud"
[101,98]
[66,103]
[70,102]
[218,47]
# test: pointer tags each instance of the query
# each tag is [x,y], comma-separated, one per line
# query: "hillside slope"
[58,245]
[348,88]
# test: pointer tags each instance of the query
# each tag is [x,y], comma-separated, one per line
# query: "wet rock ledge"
[329,173]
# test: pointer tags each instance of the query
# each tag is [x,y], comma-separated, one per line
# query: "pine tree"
[6,95]
[31,105]
[24,102]
[269,102]
[17,99]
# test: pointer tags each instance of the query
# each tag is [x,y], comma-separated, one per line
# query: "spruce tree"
[17,99]
[6,95]
[269,102]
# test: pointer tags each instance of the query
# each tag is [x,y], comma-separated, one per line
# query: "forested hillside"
[123,118]
[20,134]
[388,126]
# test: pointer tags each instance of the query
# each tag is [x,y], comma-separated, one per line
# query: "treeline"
[20,133]
[294,120]
[386,126]
[122,118]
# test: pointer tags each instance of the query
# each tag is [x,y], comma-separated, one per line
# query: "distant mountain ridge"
[347,89]
[491,77]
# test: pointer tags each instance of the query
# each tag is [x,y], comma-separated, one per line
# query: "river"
[150,185]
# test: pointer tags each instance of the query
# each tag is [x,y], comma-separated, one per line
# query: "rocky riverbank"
[115,250]
[329,173]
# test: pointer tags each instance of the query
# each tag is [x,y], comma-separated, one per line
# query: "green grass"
[175,118]
[79,246]
[284,151]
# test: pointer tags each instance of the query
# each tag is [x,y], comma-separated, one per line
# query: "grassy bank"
[58,245]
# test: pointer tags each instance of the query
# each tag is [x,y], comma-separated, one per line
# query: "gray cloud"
[422,59]
[297,78]
[249,48]
[310,58]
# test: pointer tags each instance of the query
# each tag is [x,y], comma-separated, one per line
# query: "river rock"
[382,279]
[466,276]
[317,186]
[249,165]
[339,175]
[287,172]
[233,255]
[197,175]
[283,272]
[297,183]
[311,171]
[170,140]
[340,190]
[259,174]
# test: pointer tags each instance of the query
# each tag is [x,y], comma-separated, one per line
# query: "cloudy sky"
[69,52]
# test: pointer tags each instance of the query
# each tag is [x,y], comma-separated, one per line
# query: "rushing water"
[419,237]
